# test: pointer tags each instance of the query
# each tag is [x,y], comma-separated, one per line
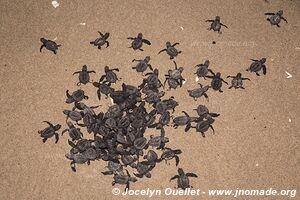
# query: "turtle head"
[239,75]
[218,74]
[180,171]
[206,62]
[168,44]
[180,69]
[43,40]
[106,68]
[217,18]
[106,35]
[57,127]
[147,59]
[84,68]
[280,12]
[263,60]
[155,71]
[66,112]
[140,35]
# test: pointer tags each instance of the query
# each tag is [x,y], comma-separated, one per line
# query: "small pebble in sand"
[181,27]
[214,42]
[290,120]
[55,4]
[256,165]
[83,24]
[197,79]
[288,75]
[184,81]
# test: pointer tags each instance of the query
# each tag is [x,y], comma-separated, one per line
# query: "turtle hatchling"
[203,126]
[257,66]
[169,154]
[216,82]
[74,132]
[202,69]
[171,50]
[50,131]
[76,96]
[183,121]
[101,40]
[237,81]
[276,18]
[123,179]
[84,76]
[183,179]
[142,64]
[199,92]
[138,41]
[216,24]
[110,76]
[50,45]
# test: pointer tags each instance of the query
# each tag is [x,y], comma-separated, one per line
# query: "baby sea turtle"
[50,131]
[101,40]
[183,121]
[183,179]
[175,75]
[113,168]
[216,24]
[50,45]
[84,76]
[129,160]
[216,82]
[257,66]
[169,154]
[158,141]
[123,179]
[76,96]
[199,92]
[143,170]
[202,69]
[73,115]
[77,158]
[142,64]
[140,143]
[152,158]
[237,81]
[203,112]
[103,88]
[110,76]
[276,18]
[203,126]
[74,132]
[138,41]
[171,50]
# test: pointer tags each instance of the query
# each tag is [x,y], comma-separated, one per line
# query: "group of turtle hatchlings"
[119,133]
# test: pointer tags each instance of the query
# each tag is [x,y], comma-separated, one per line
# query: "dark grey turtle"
[91,153]
[237,81]
[74,132]
[154,97]
[143,170]
[114,167]
[101,40]
[123,179]
[216,24]
[171,50]
[103,88]
[216,82]
[276,18]
[50,131]
[203,126]
[50,45]
[169,154]
[142,64]
[129,160]
[73,115]
[164,120]
[138,41]
[257,66]
[199,92]
[140,143]
[172,83]
[151,83]
[202,69]
[171,103]
[160,107]
[175,75]
[78,158]
[84,76]
[185,120]
[76,96]
[183,179]
[152,158]
[110,76]
[203,112]
[158,141]
[80,146]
